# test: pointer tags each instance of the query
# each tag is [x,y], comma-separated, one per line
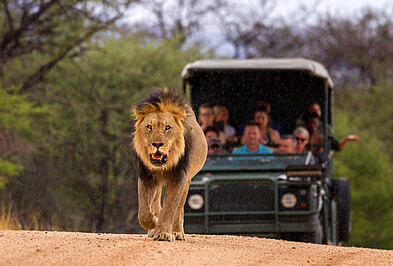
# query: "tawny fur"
[165,118]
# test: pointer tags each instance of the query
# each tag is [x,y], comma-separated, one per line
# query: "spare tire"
[342,195]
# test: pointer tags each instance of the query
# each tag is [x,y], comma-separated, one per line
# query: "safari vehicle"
[271,195]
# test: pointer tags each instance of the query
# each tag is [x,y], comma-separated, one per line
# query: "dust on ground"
[66,248]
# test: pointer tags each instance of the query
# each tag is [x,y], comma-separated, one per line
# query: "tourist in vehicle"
[221,118]
[205,115]
[316,108]
[316,140]
[269,136]
[273,124]
[211,132]
[336,145]
[301,138]
[206,119]
[252,136]
[287,144]
[214,146]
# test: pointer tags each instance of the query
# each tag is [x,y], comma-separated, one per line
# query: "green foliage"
[7,169]
[87,172]
[16,113]
[368,164]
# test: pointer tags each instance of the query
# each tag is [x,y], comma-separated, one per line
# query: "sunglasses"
[206,114]
[300,139]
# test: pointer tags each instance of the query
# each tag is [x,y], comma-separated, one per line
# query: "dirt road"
[62,248]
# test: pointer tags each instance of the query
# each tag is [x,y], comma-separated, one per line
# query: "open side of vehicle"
[274,195]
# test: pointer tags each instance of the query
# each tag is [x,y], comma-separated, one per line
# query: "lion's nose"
[157,144]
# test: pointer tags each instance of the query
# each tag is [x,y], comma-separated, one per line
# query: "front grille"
[241,196]
[242,219]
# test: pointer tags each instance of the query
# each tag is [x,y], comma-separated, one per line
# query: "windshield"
[256,162]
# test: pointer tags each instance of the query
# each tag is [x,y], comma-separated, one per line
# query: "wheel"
[342,195]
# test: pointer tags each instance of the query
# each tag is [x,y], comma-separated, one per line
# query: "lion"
[171,148]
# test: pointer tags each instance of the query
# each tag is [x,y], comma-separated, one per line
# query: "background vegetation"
[70,72]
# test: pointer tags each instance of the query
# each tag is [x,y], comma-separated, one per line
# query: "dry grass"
[7,220]
[10,221]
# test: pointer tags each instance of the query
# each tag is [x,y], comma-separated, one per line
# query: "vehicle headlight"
[288,200]
[195,201]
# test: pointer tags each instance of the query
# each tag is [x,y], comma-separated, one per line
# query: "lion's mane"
[163,100]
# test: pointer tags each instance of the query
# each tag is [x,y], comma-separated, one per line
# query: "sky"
[341,7]
[332,5]
[287,8]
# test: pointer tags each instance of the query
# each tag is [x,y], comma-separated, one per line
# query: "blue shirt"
[262,149]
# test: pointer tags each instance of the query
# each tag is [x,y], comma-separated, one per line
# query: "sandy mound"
[51,248]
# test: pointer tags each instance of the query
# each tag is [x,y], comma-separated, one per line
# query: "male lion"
[171,148]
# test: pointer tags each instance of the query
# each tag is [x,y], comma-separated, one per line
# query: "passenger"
[336,145]
[273,124]
[206,119]
[312,123]
[214,146]
[287,144]
[316,108]
[252,135]
[301,140]
[210,133]
[221,118]
[205,115]
[269,136]
[301,137]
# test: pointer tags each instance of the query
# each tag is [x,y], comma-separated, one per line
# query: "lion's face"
[159,140]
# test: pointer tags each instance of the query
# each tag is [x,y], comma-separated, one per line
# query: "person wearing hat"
[214,146]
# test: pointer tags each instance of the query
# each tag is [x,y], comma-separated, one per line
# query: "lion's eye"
[148,127]
[167,128]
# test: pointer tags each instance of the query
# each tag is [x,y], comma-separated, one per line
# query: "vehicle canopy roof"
[315,68]
[290,85]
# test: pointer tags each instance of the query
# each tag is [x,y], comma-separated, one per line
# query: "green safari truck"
[288,196]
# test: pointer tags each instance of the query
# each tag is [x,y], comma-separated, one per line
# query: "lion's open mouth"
[158,159]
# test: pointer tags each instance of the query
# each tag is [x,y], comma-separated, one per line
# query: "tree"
[84,170]
[56,29]
[16,113]
[183,19]
[368,164]
[357,50]
[34,37]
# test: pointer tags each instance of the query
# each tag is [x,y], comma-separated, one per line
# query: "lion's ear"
[134,111]
[138,114]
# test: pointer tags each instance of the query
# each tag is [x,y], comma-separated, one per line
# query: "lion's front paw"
[161,235]
[179,235]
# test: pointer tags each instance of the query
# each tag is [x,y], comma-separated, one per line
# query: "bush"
[367,164]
